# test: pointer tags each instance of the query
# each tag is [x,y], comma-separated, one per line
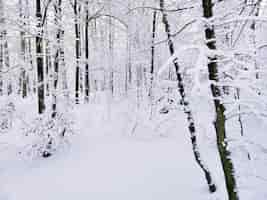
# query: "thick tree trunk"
[185,103]
[40,59]
[219,108]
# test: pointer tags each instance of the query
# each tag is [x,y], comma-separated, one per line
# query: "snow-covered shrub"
[6,117]
[48,135]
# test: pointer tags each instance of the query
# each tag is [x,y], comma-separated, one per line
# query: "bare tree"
[87,80]
[185,103]
[59,49]
[77,10]
[219,107]
[40,59]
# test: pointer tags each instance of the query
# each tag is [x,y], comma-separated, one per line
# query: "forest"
[133,99]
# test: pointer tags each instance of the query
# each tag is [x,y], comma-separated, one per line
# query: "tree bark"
[48,65]
[219,108]
[152,65]
[7,63]
[87,82]
[185,103]
[40,59]
[58,23]
[23,82]
[77,49]
[4,51]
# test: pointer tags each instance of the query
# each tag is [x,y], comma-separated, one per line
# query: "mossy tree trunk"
[219,108]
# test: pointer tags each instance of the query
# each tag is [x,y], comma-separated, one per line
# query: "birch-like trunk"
[185,103]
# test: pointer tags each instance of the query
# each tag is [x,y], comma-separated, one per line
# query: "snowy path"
[103,167]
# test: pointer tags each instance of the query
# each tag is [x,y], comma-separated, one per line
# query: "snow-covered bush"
[48,135]
[6,117]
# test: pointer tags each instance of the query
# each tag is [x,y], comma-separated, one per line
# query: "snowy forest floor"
[118,155]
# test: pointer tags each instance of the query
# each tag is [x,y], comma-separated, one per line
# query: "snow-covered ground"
[119,155]
[117,158]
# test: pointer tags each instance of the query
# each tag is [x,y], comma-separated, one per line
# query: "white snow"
[104,161]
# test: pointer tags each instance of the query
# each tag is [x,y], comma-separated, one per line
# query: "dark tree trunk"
[77,49]
[185,103]
[25,49]
[23,77]
[256,7]
[40,59]
[87,83]
[7,63]
[58,22]
[219,108]
[152,66]
[30,79]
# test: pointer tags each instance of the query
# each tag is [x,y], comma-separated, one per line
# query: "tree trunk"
[219,108]
[40,59]
[87,83]
[185,103]
[77,49]
[128,66]
[256,7]
[23,85]
[152,66]
[7,63]
[4,51]
[31,77]
[58,23]
[48,66]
